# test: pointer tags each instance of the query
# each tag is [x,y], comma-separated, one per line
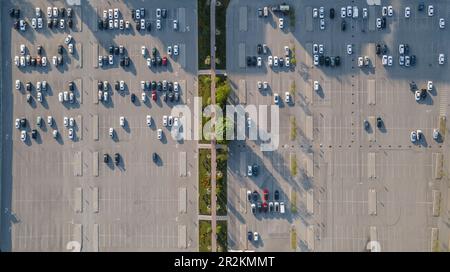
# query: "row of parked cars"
[264,205]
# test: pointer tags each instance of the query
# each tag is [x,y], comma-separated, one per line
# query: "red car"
[154,95]
[266,194]
[164,61]
[265,206]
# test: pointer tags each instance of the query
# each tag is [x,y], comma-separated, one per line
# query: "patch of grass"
[294,167]
[204,183]
[204,90]
[293,134]
[204,237]
[292,19]
[221,44]
[221,182]
[293,201]
[293,58]
[293,239]
[204,38]
[222,233]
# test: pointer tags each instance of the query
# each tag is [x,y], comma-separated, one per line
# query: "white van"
[281,207]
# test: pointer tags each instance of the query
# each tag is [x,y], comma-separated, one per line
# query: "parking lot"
[353,184]
[61,190]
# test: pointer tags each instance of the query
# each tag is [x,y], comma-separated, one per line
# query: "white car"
[259,84]
[429,85]
[22,25]
[33,23]
[49,12]
[419,134]
[270,61]
[158,24]
[68,39]
[265,85]
[343,12]
[110,14]
[436,134]
[360,62]
[40,23]
[66,121]
[71,122]
[322,24]
[138,14]
[17,84]
[321,12]
[315,48]
[55,133]
[100,95]
[149,62]
[413,136]
[401,49]
[164,120]
[159,134]
[287,61]
[249,170]
[111,60]
[249,124]
[276,98]
[259,62]
[378,23]
[17,123]
[122,85]
[116,23]
[66,96]
[175,24]
[441,23]
[315,13]
[23,135]
[116,13]
[39,96]
[16,61]
[143,97]
[321,49]
[390,60]
[105,96]
[401,60]
[49,120]
[62,24]
[384,60]
[142,24]
[169,50]
[44,61]
[122,121]
[44,85]
[176,122]
[22,61]
[316,59]
[158,13]
[22,49]
[71,48]
[127,24]
[390,11]
[282,208]
[142,85]
[275,61]
[430,10]
[441,59]
[105,14]
[111,132]
[407,12]
[176,87]
[384,11]
[287,97]
[355,12]
[349,49]
[417,95]
[111,24]
[286,51]
[55,12]
[316,85]
[149,120]
[255,236]
[349,11]
[71,133]
[365,13]
[143,50]
[280,23]
[60,97]
[100,61]
[175,49]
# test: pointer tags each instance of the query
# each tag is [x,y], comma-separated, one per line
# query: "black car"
[138,27]
[55,22]
[49,23]
[366,124]
[100,85]
[127,61]
[153,85]
[60,49]
[111,49]
[122,62]
[70,23]
[117,158]
[379,122]
[12,11]
[133,14]
[116,85]
[259,206]
[133,98]
[255,196]
[159,86]
[327,61]
[321,59]
[276,195]
[163,13]
[116,50]
[171,96]
[412,86]
[23,122]
[69,12]
[105,158]
[154,157]
[34,134]
[105,24]
[249,61]
[148,25]
[343,25]
[378,49]
[71,86]
[281,62]
[158,61]
[259,49]
[170,86]
[384,49]
[17,13]
[16,25]
[39,49]
[164,96]
[260,12]
[62,11]
[153,60]
[142,13]
[255,170]
[100,24]
[33,61]
[383,22]
[331,13]
[337,60]
[413,60]
[250,236]
[421,6]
